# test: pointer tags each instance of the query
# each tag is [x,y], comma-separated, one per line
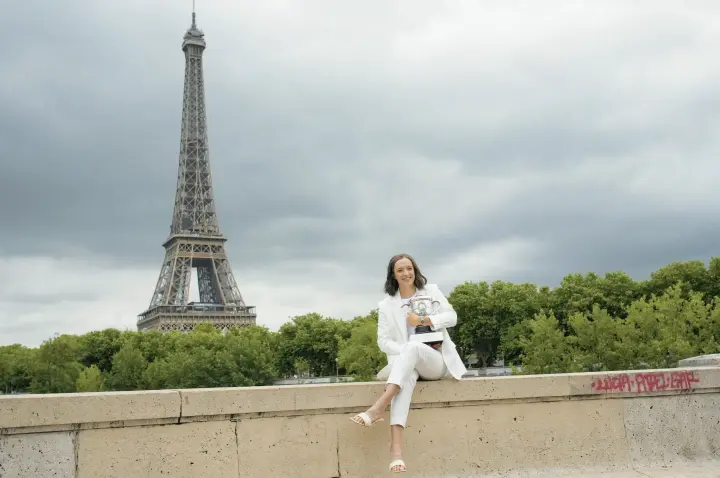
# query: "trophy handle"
[436,306]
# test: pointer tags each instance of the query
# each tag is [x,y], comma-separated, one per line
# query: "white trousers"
[415,360]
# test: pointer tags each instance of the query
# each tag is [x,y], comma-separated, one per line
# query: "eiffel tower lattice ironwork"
[195,239]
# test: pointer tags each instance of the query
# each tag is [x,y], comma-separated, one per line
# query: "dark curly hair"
[391,284]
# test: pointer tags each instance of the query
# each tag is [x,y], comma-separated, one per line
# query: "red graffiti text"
[646,382]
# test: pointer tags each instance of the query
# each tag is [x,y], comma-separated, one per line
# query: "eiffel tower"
[195,239]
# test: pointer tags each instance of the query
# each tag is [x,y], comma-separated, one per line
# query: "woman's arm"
[384,337]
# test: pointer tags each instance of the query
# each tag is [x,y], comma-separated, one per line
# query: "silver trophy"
[425,306]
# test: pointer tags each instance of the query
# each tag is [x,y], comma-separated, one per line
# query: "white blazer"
[392,330]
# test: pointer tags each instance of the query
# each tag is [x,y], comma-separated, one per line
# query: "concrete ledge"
[633,423]
[58,412]
[288,400]
[710,360]
[105,408]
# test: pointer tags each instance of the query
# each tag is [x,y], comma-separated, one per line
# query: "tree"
[152,344]
[692,274]
[485,312]
[512,341]
[593,341]
[659,331]
[545,349]
[302,367]
[16,368]
[206,358]
[705,331]
[579,294]
[618,291]
[251,354]
[360,355]
[128,369]
[99,347]
[714,277]
[90,380]
[313,338]
[57,366]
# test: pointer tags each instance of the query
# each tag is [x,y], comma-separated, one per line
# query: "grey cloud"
[92,139]
[46,298]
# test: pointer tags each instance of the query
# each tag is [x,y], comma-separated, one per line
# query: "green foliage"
[588,323]
[486,312]
[90,380]
[128,369]
[57,366]
[114,360]
[314,339]
[692,274]
[359,354]
[16,368]
[657,332]
[546,349]
[593,341]
[579,294]
[99,347]
[207,358]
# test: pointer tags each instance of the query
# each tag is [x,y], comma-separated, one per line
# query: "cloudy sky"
[492,140]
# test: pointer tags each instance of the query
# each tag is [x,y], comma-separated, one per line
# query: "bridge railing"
[562,425]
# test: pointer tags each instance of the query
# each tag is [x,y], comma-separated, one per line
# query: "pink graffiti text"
[646,382]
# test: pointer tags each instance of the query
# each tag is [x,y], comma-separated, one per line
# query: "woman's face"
[404,271]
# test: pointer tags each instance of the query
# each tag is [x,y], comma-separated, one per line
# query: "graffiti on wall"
[639,382]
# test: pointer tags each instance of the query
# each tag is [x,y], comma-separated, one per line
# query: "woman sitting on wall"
[409,360]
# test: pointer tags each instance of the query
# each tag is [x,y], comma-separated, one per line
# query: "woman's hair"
[391,284]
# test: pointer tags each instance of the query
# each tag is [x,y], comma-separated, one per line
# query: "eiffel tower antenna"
[195,240]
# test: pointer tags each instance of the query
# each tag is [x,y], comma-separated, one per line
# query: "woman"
[408,361]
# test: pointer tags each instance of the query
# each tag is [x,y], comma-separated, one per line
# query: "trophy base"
[428,338]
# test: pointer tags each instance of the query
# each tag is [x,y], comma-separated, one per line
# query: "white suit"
[409,360]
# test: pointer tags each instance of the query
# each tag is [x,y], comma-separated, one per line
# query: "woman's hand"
[413,320]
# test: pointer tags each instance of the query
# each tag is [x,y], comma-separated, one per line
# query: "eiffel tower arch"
[195,240]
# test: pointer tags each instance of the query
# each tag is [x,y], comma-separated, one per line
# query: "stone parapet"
[66,411]
[710,360]
[629,422]
[22,413]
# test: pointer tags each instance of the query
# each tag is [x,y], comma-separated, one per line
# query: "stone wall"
[623,423]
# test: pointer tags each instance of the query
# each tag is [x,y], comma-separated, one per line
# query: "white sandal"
[398,462]
[367,421]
